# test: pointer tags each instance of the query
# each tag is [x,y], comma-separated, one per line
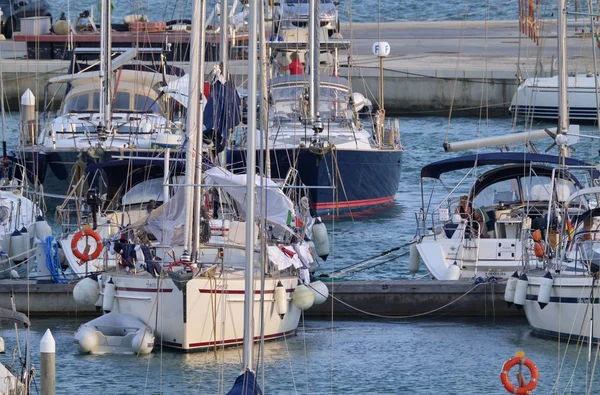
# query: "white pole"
[496,141]
[199,141]
[167,158]
[48,363]
[251,170]
[192,120]
[313,56]
[563,110]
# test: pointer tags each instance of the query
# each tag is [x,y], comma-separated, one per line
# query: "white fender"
[86,291]
[109,296]
[18,248]
[521,291]
[42,229]
[143,342]
[453,272]
[414,260]
[319,290]
[545,289]
[320,238]
[87,340]
[302,297]
[281,301]
[511,287]
[1,345]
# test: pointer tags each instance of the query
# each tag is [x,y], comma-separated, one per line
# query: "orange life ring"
[523,389]
[178,263]
[81,255]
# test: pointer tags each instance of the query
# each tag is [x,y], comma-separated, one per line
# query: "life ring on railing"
[179,263]
[523,389]
[88,233]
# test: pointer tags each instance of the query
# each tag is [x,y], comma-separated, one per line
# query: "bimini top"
[436,169]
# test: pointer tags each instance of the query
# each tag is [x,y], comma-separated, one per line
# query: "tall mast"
[193,121]
[251,170]
[563,110]
[105,67]
[199,140]
[313,53]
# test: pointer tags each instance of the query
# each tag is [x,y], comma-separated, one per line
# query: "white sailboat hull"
[538,98]
[477,257]
[570,310]
[205,312]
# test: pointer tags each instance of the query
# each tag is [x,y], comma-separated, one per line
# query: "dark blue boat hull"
[349,181]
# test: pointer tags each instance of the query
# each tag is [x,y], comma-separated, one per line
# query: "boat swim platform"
[414,299]
[432,67]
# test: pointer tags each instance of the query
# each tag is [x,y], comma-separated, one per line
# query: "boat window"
[539,188]
[121,102]
[148,190]
[333,103]
[506,191]
[146,104]
[79,103]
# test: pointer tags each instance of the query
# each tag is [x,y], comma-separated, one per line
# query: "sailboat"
[111,110]
[191,303]
[313,127]
[558,302]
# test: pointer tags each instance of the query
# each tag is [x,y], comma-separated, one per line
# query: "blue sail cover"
[436,169]
[221,113]
[245,384]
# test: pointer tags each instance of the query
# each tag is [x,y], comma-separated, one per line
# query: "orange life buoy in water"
[81,255]
[522,389]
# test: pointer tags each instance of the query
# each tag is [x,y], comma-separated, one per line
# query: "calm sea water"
[430,356]
[358,11]
[433,355]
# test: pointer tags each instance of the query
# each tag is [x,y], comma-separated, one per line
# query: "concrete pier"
[363,299]
[42,299]
[414,299]
[433,66]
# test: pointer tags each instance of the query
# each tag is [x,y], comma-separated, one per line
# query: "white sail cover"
[279,208]
[166,222]
[179,90]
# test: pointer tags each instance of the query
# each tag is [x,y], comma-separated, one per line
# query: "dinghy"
[115,333]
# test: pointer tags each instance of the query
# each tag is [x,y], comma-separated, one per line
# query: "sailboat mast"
[199,140]
[251,170]
[105,66]
[313,54]
[192,118]
[563,110]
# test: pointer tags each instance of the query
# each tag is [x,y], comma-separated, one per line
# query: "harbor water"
[357,11]
[430,355]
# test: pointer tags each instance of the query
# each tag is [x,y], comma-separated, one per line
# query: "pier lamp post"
[381,49]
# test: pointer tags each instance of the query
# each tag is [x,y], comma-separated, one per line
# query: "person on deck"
[464,208]
[295,67]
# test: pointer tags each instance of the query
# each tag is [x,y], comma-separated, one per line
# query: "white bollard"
[48,364]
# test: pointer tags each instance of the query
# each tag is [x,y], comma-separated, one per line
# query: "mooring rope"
[357,267]
[396,317]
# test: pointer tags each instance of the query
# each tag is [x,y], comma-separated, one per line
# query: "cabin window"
[79,103]
[506,191]
[145,104]
[121,102]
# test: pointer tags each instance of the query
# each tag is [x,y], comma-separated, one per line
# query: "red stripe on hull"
[236,341]
[162,290]
[234,291]
[353,203]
